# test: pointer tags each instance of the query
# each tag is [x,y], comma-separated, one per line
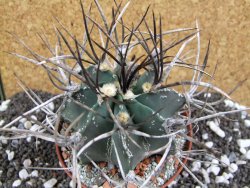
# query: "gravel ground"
[42,154]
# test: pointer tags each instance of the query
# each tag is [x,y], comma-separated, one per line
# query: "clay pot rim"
[168,182]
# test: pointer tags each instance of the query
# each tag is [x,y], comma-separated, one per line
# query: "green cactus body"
[146,113]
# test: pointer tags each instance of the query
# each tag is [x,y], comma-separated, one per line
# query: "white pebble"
[248,155]
[23,174]
[229,103]
[33,117]
[243,143]
[233,167]
[50,183]
[34,173]
[4,105]
[247,122]
[1,123]
[243,115]
[227,176]
[185,174]
[209,144]
[3,140]
[16,183]
[240,162]
[28,139]
[225,160]
[26,163]
[205,136]
[208,95]
[160,181]
[51,106]
[216,129]
[35,127]
[214,169]
[29,183]
[196,166]
[215,161]
[71,183]
[95,186]
[23,120]
[221,179]
[205,175]
[10,154]
[3,108]
[27,125]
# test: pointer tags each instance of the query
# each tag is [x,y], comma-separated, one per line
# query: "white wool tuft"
[109,89]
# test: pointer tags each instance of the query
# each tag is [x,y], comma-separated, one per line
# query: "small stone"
[23,174]
[207,95]
[214,169]
[247,123]
[50,183]
[185,174]
[10,154]
[232,157]
[243,143]
[229,103]
[240,162]
[216,129]
[15,143]
[221,179]
[233,167]
[205,136]
[215,161]
[227,176]
[3,140]
[20,126]
[1,123]
[4,105]
[209,144]
[34,173]
[205,175]
[196,166]
[71,183]
[29,139]
[23,120]
[33,117]
[35,127]
[160,181]
[248,154]
[225,160]
[16,183]
[27,125]
[29,183]
[243,151]
[27,163]
[95,186]
[51,106]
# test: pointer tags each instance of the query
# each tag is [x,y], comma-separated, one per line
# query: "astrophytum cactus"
[142,108]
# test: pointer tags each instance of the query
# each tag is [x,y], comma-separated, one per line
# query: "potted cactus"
[118,104]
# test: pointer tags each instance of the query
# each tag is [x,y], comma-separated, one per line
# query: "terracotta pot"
[168,182]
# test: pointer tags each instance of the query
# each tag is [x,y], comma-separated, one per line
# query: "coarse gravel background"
[42,153]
